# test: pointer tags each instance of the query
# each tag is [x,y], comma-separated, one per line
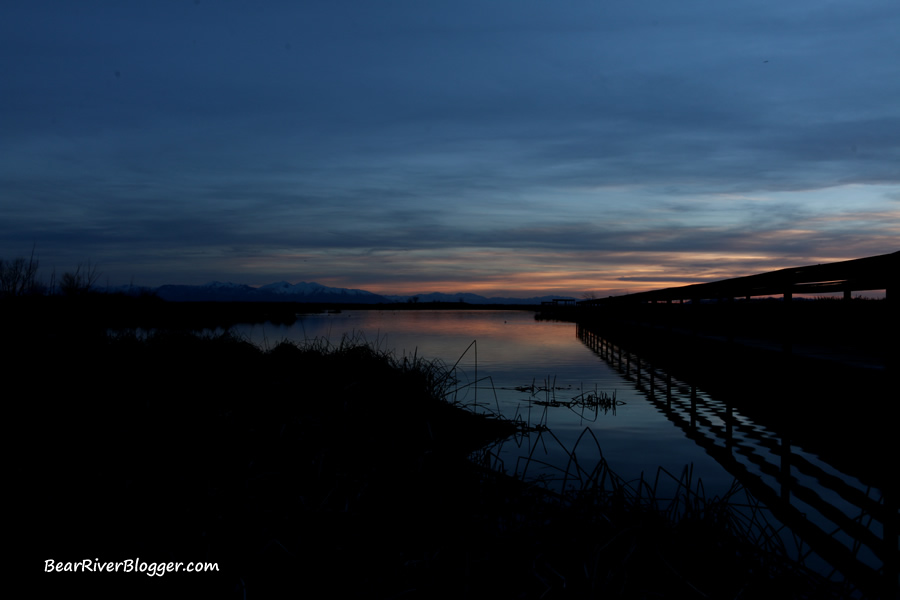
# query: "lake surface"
[508,362]
[512,350]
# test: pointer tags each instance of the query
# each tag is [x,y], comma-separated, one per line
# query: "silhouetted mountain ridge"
[469,298]
[280,291]
[283,291]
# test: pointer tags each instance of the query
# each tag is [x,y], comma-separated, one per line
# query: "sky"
[502,147]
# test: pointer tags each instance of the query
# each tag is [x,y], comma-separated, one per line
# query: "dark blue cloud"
[229,140]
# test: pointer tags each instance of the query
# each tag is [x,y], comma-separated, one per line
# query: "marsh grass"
[587,405]
[339,463]
[658,537]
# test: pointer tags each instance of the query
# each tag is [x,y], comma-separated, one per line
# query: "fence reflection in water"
[846,523]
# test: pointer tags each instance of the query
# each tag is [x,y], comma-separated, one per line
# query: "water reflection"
[542,372]
[845,522]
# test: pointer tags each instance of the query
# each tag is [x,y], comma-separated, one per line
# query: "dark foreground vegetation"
[325,471]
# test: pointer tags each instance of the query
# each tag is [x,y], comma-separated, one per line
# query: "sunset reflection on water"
[505,351]
[509,362]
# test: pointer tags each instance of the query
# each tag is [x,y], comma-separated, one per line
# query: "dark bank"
[179,447]
[174,446]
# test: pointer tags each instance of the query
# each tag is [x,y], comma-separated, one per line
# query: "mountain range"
[282,291]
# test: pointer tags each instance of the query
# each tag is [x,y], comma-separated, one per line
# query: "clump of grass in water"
[597,400]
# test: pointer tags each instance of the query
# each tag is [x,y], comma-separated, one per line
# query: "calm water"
[499,353]
[512,350]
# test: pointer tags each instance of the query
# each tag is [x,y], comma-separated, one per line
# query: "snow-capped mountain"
[308,289]
[281,291]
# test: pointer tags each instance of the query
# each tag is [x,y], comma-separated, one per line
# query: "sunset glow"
[510,150]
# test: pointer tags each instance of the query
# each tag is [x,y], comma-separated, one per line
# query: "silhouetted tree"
[81,281]
[18,276]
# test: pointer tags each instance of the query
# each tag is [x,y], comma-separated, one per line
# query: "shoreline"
[302,464]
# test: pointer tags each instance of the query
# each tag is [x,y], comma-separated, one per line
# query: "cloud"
[467,142]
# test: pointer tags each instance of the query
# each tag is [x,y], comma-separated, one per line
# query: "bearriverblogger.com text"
[152,569]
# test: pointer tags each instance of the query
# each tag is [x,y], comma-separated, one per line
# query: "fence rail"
[880,272]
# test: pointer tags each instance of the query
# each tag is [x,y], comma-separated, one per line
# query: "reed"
[343,463]
[662,529]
